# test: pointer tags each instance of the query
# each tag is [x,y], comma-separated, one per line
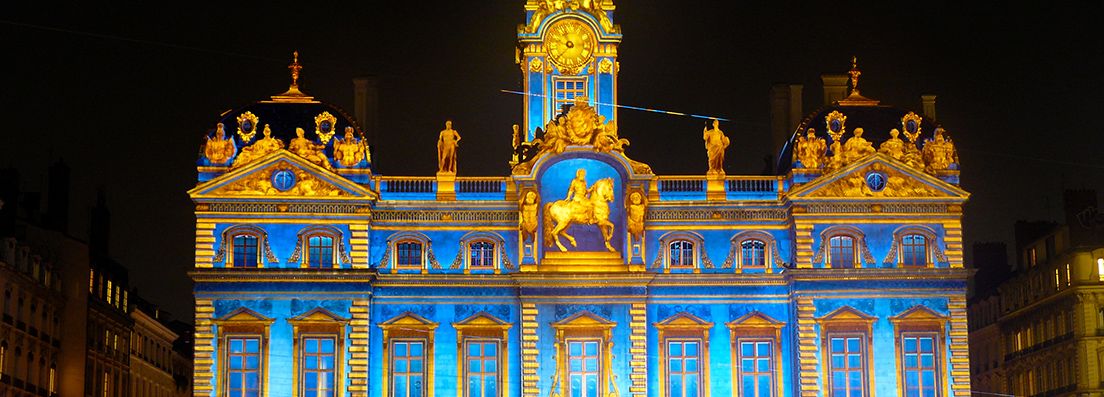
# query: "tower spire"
[293,94]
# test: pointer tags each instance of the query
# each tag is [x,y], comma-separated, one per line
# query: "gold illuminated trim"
[482,327]
[921,320]
[319,322]
[847,321]
[684,327]
[408,326]
[756,325]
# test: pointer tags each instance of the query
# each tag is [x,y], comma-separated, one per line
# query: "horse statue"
[594,210]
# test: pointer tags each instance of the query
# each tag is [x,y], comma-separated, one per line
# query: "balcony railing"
[408,184]
[480,185]
[752,184]
[681,184]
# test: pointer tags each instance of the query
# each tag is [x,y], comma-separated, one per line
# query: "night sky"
[124,95]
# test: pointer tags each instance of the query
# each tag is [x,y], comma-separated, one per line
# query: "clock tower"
[567,49]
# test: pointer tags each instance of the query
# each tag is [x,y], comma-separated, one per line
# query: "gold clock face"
[570,45]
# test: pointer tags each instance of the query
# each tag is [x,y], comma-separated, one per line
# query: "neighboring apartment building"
[30,330]
[151,353]
[1037,329]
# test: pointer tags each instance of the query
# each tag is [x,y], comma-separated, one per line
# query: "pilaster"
[529,355]
[204,244]
[358,348]
[958,340]
[638,349]
[808,374]
[203,370]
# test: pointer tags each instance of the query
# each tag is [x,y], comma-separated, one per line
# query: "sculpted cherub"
[349,151]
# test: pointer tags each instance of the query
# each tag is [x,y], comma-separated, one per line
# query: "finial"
[855,73]
[295,67]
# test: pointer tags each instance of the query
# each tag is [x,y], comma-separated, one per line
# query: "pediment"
[482,320]
[683,320]
[244,315]
[584,319]
[755,320]
[318,314]
[847,314]
[918,313]
[408,319]
[900,181]
[264,178]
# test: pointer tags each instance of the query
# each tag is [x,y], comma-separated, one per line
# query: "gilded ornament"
[594,7]
[258,149]
[715,144]
[308,150]
[527,220]
[607,139]
[896,185]
[635,220]
[809,150]
[260,184]
[447,142]
[570,44]
[910,124]
[535,65]
[247,126]
[939,153]
[587,206]
[349,151]
[516,142]
[605,66]
[325,126]
[219,149]
[893,147]
[582,123]
[857,147]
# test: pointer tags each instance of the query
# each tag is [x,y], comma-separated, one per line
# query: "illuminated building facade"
[151,354]
[1036,330]
[583,273]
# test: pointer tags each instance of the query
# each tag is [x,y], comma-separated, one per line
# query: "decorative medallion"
[910,124]
[324,126]
[605,66]
[536,66]
[247,126]
[283,180]
[876,181]
[570,44]
[836,123]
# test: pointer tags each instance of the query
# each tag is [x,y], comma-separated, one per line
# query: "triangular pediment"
[918,313]
[584,319]
[244,315]
[683,320]
[482,319]
[318,314]
[755,320]
[281,175]
[847,314]
[900,181]
[408,319]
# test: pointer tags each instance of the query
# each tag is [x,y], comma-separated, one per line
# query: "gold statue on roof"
[857,147]
[350,151]
[715,144]
[447,142]
[809,150]
[262,147]
[893,147]
[308,150]
[219,149]
[939,153]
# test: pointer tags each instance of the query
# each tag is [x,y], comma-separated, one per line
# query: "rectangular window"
[407,368]
[409,255]
[318,366]
[320,252]
[583,368]
[566,89]
[841,252]
[682,254]
[753,253]
[481,254]
[481,371]
[243,357]
[918,364]
[684,368]
[914,250]
[846,365]
[755,360]
[245,251]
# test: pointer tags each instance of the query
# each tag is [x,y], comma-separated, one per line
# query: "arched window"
[320,252]
[481,254]
[753,253]
[914,250]
[841,251]
[319,247]
[681,254]
[245,250]
[247,247]
[408,255]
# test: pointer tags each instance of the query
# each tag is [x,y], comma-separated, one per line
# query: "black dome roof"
[876,122]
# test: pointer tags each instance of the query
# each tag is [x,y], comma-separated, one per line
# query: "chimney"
[1083,217]
[928,104]
[100,233]
[785,102]
[366,104]
[835,87]
[9,194]
[58,197]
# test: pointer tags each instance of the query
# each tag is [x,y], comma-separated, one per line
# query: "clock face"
[570,45]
